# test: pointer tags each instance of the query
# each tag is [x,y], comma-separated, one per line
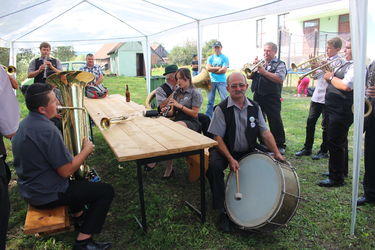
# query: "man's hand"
[234,165]
[88,146]
[328,75]
[279,157]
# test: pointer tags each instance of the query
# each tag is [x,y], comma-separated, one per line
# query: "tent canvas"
[26,23]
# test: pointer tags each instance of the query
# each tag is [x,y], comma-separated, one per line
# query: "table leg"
[141,197]
[202,180]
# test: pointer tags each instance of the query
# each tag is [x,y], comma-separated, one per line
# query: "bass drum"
[270,193]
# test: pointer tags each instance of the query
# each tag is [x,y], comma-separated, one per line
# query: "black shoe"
[90,244]
[320,155]
[330,183]
[303,152]
[282,150]
[363,200]
[225,224]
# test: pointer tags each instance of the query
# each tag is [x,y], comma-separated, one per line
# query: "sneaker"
[320,155]
[303,151]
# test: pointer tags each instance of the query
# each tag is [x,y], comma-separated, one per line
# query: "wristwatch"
[331,77]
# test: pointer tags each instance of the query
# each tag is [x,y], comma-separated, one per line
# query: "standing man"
[267,85]
[9,118]
[369,178]
[95,69]
[236,137]
[339,101]
[194,65]
[217,65]
[317,106]
[44,66]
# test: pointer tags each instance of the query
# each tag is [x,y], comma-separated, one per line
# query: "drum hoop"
[277,206]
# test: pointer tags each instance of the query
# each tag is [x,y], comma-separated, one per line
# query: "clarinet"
[165,103]
[45,67]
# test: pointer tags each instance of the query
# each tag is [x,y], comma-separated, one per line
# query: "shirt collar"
[232,103]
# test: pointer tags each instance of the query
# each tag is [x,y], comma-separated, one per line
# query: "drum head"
[261,186]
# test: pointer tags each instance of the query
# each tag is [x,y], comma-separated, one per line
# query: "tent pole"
[147,59]
[358,23]
[199,47]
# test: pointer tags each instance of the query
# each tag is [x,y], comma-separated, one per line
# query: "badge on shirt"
[252,121]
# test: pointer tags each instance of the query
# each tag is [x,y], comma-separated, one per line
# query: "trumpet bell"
[202,80]
[105,123]
[11,70]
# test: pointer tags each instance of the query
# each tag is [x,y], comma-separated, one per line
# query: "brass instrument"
[307,64]
[106,122]
[11,70]
[74,118]
[325,67]
[250,69]
[369,101]
[202,80]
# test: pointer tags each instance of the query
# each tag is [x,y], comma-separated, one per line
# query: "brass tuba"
[202,80]
[74,116]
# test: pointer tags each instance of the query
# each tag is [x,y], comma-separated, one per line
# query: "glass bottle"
[127,94]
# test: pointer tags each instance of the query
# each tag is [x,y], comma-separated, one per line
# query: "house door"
[140,65]
[310,41]
[344,26]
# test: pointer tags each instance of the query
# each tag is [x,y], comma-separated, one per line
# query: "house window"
[281,21]
[260,32]
[344,24]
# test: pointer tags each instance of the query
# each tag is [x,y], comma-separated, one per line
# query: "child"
[303,86]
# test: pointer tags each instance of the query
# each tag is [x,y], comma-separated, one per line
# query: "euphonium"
[250,69]
[74,118]
[11,70]
[202,80]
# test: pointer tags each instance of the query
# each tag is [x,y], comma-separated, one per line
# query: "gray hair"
[273,46]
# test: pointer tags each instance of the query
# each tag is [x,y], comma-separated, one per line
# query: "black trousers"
[96,195]
[205,123]
[369,178]
[337,143]
[4,202]
[271,108]
[316,109]
[215,174]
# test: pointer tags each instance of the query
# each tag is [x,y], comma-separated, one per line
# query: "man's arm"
[269,140]
[100,80]
[71,167]
[270,76]
[223,149]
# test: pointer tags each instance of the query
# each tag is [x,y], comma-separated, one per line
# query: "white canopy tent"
[26,23]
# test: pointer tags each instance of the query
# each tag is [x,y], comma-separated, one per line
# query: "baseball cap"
[217,44]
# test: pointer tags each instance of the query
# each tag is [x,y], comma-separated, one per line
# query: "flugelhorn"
[307,63]
[106,122]
[325,67]
[250,69]
[11,70]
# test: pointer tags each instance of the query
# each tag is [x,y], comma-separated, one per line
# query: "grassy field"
[322,220]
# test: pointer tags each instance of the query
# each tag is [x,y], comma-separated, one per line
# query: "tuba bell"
[202,80]
[74,116]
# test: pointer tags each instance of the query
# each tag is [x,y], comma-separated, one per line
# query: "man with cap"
[217,65]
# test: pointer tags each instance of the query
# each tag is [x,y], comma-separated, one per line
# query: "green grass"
[322,220]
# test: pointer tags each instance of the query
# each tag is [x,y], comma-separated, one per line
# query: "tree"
[64,53]
[207,50]
[182,55]
[4,56]
[24,56]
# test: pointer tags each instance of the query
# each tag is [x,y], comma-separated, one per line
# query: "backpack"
[96,91]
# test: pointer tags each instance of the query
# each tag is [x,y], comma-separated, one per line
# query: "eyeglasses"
[241,85]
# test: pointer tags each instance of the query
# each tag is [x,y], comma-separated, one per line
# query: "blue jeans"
[222,88]
[194,73]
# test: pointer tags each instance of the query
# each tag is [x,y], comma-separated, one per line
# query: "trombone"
[324,67]
[11,70]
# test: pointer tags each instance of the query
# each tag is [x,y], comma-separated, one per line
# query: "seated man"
[94,89]
[44,165]
[236,137]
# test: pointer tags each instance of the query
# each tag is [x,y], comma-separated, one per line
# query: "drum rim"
[277,205]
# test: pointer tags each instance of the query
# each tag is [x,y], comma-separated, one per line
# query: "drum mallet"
[238,195]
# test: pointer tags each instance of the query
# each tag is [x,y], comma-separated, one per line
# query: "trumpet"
[251,69]
[106,122]
[325,67]
[11,70]
[295,67]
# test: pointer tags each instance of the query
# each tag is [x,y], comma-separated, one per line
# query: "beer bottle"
[127,94]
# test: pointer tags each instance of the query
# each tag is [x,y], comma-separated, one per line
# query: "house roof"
[102,53]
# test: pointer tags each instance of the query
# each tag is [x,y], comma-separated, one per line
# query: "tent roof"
[26,23]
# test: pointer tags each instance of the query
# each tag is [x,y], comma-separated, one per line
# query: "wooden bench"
[46,221]
[194,165]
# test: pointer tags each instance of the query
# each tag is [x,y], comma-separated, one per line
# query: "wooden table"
[147,140]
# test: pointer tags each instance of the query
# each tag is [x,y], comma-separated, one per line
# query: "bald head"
[235,76]
[237,86]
